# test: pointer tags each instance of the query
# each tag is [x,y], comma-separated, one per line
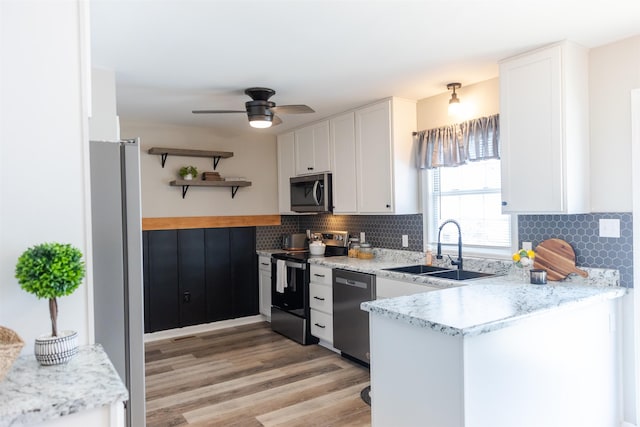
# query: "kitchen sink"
[418,269]
[460,274]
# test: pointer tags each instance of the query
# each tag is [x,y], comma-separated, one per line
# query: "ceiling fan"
[261,111]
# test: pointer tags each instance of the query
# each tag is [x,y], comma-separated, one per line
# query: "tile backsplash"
[582,233]
[382,231]
[385,231]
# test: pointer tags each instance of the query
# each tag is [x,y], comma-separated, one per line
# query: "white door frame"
[635,176]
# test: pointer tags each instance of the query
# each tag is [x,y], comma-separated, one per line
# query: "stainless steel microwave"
[311,193]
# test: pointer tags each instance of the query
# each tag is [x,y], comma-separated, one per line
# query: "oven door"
[289,295]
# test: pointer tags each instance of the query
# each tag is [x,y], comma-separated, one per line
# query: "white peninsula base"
[556,368]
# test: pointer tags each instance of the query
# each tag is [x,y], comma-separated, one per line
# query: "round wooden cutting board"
[558,258]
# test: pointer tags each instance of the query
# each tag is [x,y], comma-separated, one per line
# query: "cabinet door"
[191,268]
[244,265]
[164,309]
[286,169]
[264,283]
[304,151]
[373,158]
[145,278]
[343,144]
[531,132]
[218,274]
[312,149]
[321,147]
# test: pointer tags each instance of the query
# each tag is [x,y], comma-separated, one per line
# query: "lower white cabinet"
[264,285]
[321,303]
[390,288]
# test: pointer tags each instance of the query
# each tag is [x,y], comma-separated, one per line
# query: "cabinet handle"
[504,203]
[318,275]
[319,325]
[186,297]
[309,169]
[264,263]
[388,206]
[318,298]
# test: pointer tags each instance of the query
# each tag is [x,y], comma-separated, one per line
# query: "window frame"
[430,236]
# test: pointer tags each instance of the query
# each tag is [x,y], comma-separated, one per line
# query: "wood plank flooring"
[251,376]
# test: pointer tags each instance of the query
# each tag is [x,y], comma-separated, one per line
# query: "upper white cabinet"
[387,178]
[544,123]
[286,169]
[312,150]
[343,141]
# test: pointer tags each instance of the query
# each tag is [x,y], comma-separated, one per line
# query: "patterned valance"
[455,145]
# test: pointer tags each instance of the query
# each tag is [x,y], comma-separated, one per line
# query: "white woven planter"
[56,350]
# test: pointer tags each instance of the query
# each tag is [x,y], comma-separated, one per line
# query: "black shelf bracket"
[234,190]
[216,159]
[185,188]
[163,158]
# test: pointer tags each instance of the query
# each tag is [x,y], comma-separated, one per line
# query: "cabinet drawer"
[264,263]
[322,325]
[320,297]
[320,275]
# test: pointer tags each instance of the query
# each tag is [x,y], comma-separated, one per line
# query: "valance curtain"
[455,145]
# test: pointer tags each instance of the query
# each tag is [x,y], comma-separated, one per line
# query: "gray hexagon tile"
[582,232]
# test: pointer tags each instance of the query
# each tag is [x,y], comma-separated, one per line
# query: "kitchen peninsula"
[496,353]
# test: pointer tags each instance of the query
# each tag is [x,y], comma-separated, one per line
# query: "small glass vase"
[525,274]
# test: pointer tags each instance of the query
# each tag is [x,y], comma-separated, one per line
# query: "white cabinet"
[387,178]
[286,169]
[321,303]
[390,288]
[264,285]
[544,133]
[312,150]
[343,143]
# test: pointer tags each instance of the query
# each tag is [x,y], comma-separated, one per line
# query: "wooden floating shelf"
[215,155]
[185,184]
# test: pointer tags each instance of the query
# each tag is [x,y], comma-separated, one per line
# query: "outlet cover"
[362,237]
[527,246]
[405,241]
[610,228]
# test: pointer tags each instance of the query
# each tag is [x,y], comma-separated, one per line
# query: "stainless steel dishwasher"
[350,324]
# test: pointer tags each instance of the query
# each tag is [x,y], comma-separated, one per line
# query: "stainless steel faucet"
[458,262]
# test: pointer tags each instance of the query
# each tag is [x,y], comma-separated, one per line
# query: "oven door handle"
[292,264]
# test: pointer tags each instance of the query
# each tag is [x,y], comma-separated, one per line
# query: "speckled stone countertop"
[487,304]
[32,394]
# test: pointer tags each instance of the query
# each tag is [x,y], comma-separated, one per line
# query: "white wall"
[477,100]
[254,158]
[614,70]
[43,133]
[103,123]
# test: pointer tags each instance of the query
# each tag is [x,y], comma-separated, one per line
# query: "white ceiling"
[173,56]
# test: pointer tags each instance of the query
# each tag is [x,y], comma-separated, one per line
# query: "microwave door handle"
[316,197]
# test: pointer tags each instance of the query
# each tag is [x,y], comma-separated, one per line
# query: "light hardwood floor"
[251,376]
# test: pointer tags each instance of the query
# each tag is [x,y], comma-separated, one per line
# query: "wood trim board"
[186,222]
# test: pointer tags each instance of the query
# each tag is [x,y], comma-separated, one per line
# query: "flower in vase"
[524,258]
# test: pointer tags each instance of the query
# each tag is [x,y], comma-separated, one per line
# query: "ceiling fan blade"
[275,121]
[292,109]
[217,111]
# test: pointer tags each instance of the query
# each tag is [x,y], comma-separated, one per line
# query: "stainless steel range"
[290,286]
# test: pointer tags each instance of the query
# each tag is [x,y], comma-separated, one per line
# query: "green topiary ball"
[50,270]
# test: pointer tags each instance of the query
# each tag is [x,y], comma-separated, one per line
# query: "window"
[470,194]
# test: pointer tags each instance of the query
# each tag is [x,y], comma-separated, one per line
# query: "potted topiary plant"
[52,270]
[188,172]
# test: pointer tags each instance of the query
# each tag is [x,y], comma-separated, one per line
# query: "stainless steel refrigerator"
[116,222]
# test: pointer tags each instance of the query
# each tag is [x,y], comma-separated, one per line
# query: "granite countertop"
[32,394]
[487,305]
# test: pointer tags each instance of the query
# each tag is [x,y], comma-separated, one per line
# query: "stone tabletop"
[32,394]
[487,304]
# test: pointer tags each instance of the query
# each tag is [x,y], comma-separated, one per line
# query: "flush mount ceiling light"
[454,102]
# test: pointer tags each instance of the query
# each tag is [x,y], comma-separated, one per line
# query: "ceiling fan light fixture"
[261,122]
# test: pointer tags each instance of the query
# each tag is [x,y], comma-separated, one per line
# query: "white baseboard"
[328,346]
[207,327]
